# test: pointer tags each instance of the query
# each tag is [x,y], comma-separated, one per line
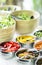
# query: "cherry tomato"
[18,46]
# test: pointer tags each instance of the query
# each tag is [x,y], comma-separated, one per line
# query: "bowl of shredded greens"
[7,28]
[38,34]
[26,20]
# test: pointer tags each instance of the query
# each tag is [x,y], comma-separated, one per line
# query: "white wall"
[27,4]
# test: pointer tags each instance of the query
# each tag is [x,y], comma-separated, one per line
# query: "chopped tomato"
[11,46]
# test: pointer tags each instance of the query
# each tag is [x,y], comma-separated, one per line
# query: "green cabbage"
[6,21]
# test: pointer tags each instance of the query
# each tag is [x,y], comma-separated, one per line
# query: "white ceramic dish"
[25,26]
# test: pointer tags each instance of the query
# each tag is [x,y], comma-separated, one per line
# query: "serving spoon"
[15,17]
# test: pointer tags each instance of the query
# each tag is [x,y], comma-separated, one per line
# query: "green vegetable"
[25,16]
[38,33]
[6,21]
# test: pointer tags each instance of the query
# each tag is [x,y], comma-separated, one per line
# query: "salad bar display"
[27,46]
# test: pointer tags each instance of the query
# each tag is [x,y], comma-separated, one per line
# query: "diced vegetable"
[38,45]
[10,46]
[38,33]
[25,16]
[6,21]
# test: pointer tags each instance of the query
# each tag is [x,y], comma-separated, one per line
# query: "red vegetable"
[11,46]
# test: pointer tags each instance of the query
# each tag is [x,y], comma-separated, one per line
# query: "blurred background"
[25,4]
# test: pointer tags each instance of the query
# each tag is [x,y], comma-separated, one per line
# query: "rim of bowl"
[35,12]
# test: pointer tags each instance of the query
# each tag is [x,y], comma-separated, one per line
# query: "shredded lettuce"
[24,16]
[6,21]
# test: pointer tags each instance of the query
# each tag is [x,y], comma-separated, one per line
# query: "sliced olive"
[22,37]
[27,40]
[19,37]
[32,17]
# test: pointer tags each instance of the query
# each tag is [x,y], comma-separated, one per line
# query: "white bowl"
[25,26]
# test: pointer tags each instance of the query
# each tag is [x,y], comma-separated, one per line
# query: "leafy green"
[38,33]
[24,16]
[6,21]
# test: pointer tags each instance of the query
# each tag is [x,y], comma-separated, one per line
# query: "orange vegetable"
[38,45]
